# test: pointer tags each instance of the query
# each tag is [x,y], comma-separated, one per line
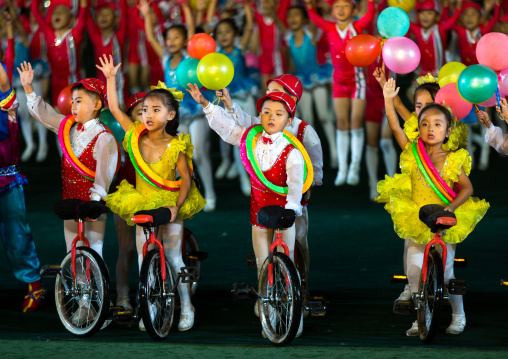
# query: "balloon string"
[216,100]
[380,65]
[476,107]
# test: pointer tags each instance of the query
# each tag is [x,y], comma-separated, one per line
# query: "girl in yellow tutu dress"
[158,154]
[405,193]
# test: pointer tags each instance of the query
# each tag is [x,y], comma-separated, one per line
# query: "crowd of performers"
[290,68]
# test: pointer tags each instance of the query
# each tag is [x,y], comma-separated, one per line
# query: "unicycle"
[82,279]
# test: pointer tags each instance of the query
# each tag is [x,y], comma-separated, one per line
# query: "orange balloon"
[200,45]
[64,101]
[362,50]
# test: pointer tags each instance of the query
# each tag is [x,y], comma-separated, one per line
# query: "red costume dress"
[63,52]
[348,80]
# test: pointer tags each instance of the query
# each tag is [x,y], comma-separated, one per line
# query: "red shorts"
[374,109]
[353,90]
[271,63]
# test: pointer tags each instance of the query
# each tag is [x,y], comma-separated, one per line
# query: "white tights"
[171,236]
[413,266]
[262,239]
[94,232]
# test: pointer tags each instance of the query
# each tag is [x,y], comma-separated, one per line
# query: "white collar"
[275,137]
[89,124]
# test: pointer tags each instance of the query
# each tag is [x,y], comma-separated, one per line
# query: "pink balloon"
[503,80]
[401,55]
[490,51]
[491,102]
[449,94]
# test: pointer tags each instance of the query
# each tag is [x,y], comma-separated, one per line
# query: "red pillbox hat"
[278,96]
[291,83]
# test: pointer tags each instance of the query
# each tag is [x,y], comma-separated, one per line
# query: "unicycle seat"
[76,209]
[435,217]
[152,217]
[276,217]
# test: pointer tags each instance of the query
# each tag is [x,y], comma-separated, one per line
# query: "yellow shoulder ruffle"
[456,162]
[128,133]
[411,127]
[458,137]
[182,144]
[407,159]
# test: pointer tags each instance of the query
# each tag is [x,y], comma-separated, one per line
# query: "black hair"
[178,27]
[169,101]
[443,110]
[302,9]
[431,87]
[91,94]
[231,23]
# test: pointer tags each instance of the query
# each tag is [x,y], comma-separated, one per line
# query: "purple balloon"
[401,55]
[503,80]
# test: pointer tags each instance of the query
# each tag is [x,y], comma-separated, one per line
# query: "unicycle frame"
[80,237]
[151,239]
[273,247]
[435,241]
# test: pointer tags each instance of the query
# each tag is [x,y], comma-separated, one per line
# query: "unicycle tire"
[280,316]
[83,309]
[156,300]
[431,298]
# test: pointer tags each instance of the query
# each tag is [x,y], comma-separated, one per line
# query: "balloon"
[450,73]
[477,83]
[393,22]
[491,102]
[107,118]
[401,55]
[471,117]
[362,50]
[489,51]
[200,45]
[503,80]
[193,3]
[251,60]
[406,5]
[451,98]
[215,71]
[187,72]
[64,101]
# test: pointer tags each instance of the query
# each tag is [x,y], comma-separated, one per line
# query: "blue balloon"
[471,117]
[187,72]
[393,22]
[107,118]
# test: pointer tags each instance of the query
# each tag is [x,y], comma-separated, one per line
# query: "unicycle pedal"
[240,291]
[398,279]
[504,282]
[189,274]
[457,286]
[50,271]
[251,260]
[317,306]
[403,307]
[460,263]
[197,256]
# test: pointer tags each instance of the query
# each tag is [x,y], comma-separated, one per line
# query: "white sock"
[342,149]
[389,156]
[357,142]
[372,160]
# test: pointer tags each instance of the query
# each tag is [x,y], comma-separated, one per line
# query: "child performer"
[301,39]
[405,193]
[109,39]
[279,160]
[494,135]
[431,35]
[15,232]
[242,88]
[348,84]
[171,55]
[94,147]
[63,38]
[164,153]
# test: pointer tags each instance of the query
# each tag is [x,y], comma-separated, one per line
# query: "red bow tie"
[267,140]
[80,127]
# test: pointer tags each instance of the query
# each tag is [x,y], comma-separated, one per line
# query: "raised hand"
[309,3]
[503,111]
[380,75]
[390,90]
[26,74]
[483,117]
[197,95]
[144,7]
[224,97]
[108,67]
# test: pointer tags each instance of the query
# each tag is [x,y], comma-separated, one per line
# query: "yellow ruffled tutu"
[405,193]
[128,199]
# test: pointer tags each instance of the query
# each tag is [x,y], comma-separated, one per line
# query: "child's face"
[343,10]
[427,18]
[267,6]
[423,98]
[155,114]
[433,127]
[137,112]
[225,35]
[471,18]
[175,41]
[84,105]
[295,19]
[106,18]
[277,87]
[61,17]
[274,117]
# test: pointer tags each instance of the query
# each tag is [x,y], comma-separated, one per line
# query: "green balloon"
[187,72]
[107,118]
[477,83]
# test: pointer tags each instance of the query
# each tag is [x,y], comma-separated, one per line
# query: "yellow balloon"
[450,73]
[215,71]
[193,4]
[406,5]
